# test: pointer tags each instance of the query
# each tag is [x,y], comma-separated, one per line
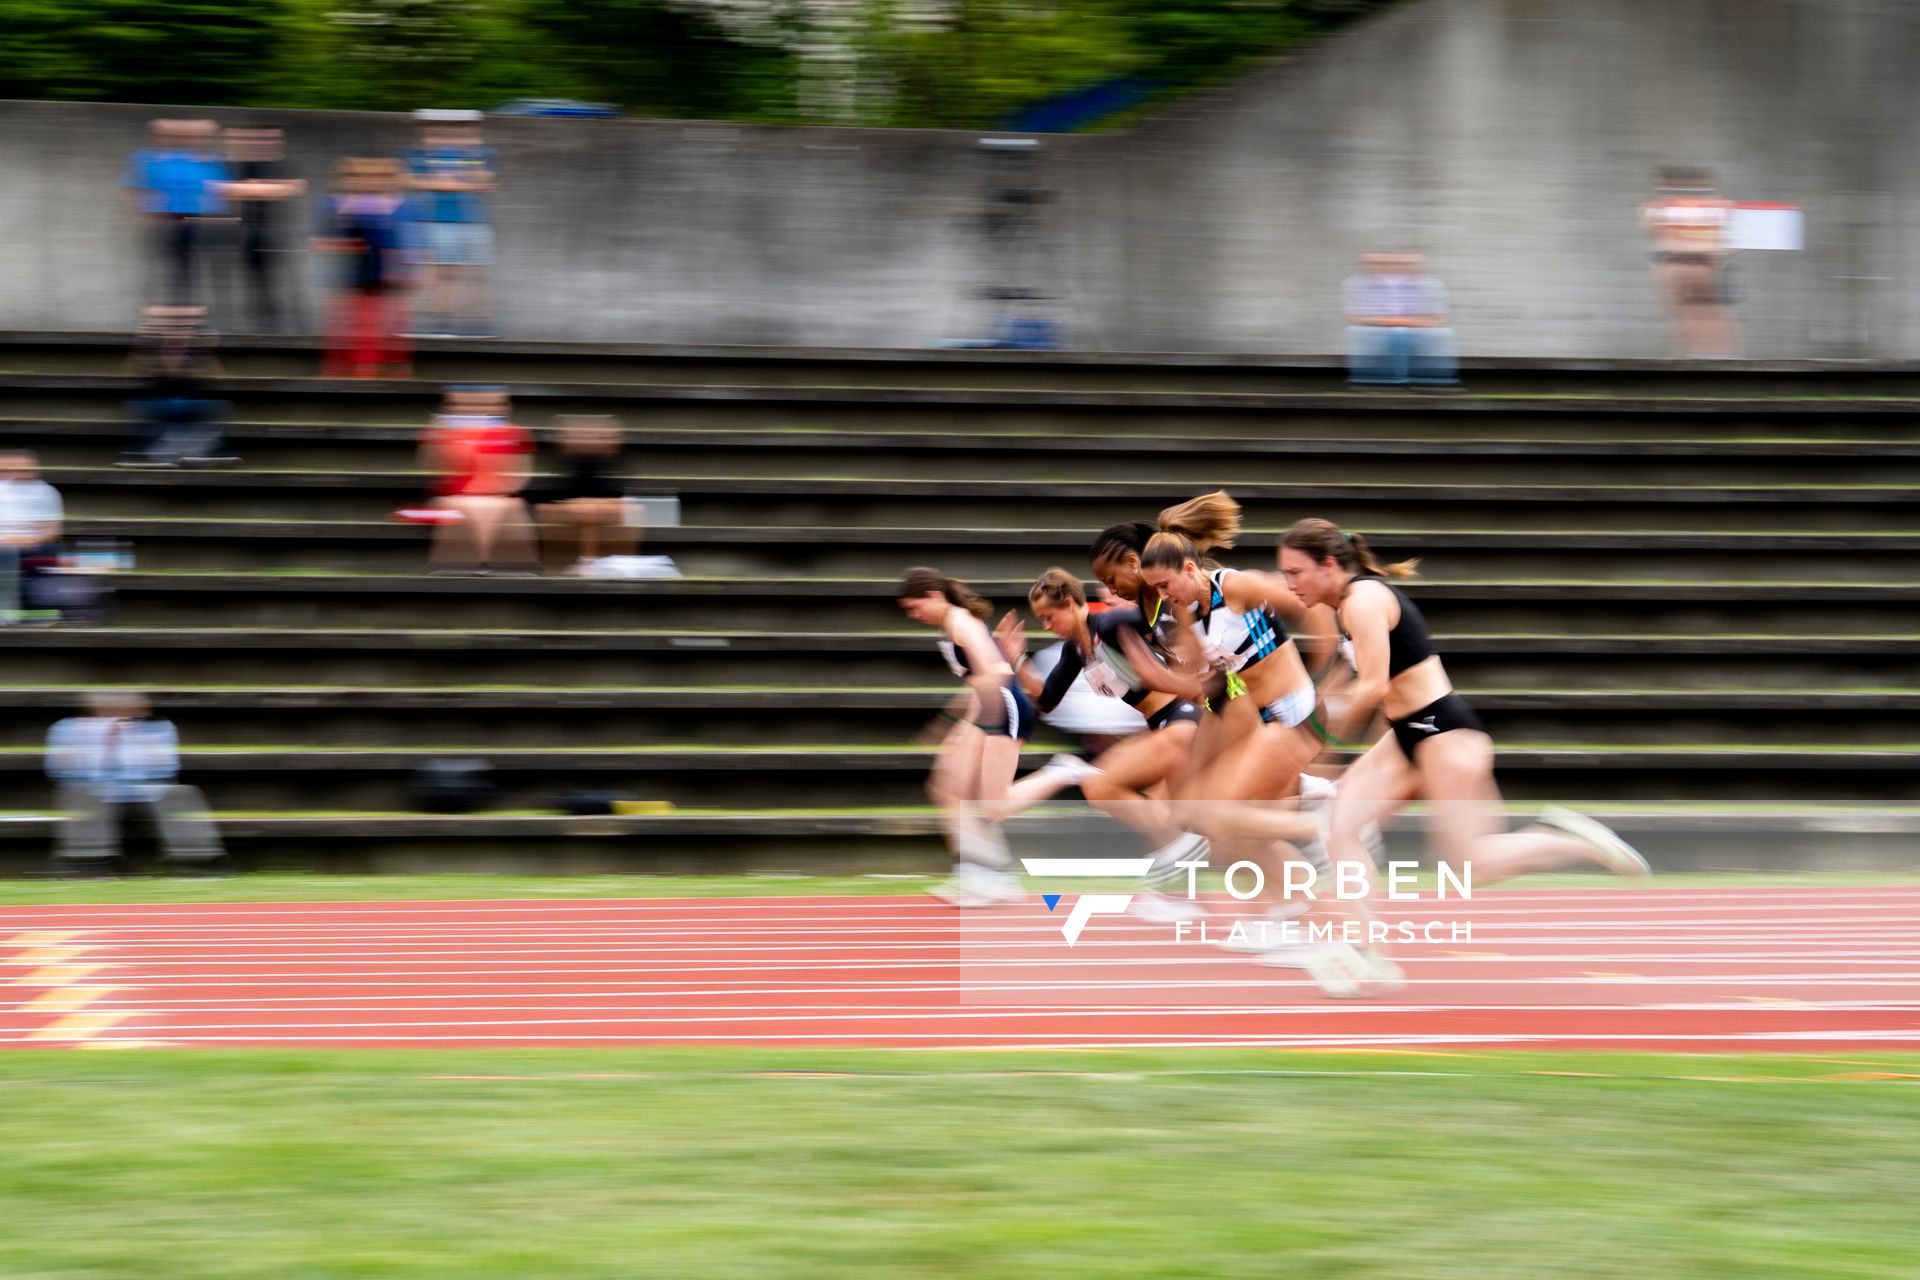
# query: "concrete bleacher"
[1685,594]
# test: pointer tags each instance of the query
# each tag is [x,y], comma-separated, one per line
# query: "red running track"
[1770,970]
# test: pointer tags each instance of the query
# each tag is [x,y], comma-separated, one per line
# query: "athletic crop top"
[1107,670]
[1409,643]
[1244,638]
[956,657]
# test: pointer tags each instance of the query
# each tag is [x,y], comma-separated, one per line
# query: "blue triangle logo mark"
[1051,899]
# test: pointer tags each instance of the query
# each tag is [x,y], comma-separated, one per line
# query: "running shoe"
[1261,934]
[1165,868]
[1164,908]
[1072,768]
[1386,976]
[1616,855]
[973,885]
[1339,971]
[1316,798]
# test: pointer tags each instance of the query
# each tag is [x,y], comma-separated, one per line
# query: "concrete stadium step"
[1675,838]
[372,600]
[184,543]
[405,716]
[1113,455]
[764,366]
[299,657]
[267,776]
[1067,502]
[1080,414]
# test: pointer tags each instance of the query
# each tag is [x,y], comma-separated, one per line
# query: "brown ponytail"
[1210,522]
[1169,551]
[1057,589]
[921,581]
[1323,540]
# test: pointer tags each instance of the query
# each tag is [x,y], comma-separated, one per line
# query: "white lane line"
[801,1016]
[654,1011]
[1465,909]
[1039,1041]
[1892,927]
[1492,917]
[1534,950]
[423,976]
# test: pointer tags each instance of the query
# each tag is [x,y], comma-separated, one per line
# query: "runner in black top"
[1438,749]
[1110,649]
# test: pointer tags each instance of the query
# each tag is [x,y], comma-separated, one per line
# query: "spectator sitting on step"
[120,756]
[1397,330]
[584,499]
[31,519]
[179,421]
[481,461]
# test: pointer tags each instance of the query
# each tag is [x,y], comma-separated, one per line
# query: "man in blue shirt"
[451,174]
[178,186]
[119,756]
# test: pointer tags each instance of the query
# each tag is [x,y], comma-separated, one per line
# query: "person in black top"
[256,158]
[587,500]
[1438,749]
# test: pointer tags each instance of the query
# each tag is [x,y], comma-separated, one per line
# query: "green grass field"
[776,1164]
[714,1165]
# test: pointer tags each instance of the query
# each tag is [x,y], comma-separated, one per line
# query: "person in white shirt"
[31,518]
[121,756]
[1397,331]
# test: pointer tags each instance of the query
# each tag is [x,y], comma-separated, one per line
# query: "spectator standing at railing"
[363,224]
[1690,224]
[116,758]
[451,175]
[258,160]
[177,187]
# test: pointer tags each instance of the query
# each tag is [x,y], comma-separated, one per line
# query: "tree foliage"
[960,63]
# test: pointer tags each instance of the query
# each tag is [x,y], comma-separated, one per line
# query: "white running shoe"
[973,885]
[1257,936]
[1386,976]
[1291,955]
[1163,908]
[1339,971]
[1316,798]
[1187,847]
[1616,855]
[1072,768]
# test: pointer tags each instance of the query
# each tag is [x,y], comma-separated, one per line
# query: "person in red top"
[481,462]
[1689,223]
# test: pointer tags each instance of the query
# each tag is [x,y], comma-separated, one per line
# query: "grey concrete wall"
[1510,139]
[1513,140]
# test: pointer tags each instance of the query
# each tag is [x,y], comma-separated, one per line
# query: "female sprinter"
[1438,749]
[1110,649]
[1268,697]
[977,759]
